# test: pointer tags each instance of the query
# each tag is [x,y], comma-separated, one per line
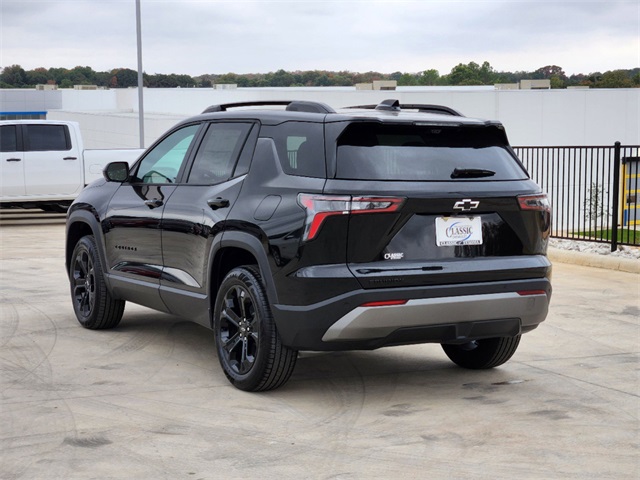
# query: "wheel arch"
[81,223]
[236,249]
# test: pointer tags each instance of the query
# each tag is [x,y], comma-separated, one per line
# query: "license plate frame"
[458,231]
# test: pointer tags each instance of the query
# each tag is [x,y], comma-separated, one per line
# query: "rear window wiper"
[471,173]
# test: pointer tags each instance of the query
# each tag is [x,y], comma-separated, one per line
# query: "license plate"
[458,231]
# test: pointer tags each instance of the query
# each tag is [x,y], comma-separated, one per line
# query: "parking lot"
[148,399]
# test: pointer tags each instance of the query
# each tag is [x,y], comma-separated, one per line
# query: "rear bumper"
[437,314]
[366,323]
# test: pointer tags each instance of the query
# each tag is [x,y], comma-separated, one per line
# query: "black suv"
[301,228]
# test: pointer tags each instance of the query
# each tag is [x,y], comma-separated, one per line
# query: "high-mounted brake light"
[535,202]
[319,207]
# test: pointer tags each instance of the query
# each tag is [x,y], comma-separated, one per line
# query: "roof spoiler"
[392,105]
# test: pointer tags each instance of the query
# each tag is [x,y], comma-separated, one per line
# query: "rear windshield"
[373,151]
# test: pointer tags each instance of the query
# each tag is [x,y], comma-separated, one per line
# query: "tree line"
[15,76]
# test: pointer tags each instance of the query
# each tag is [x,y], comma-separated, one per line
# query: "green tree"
[281,79]
[472,74]
[14,76]
[429,77]
[406,79]
[487,74]
[58,74]
[463,74]
[323,80]
[37,76]
[548,72]
[124,78]
[310,77]
[615,79]
[556,81]
[82,76]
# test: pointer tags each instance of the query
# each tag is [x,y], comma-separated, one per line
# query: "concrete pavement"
[149,401]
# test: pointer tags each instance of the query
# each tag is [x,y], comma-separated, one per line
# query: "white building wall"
[116,130]
[23,100]
[531,117]
[89,100]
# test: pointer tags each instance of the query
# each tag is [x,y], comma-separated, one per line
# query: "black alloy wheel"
[84,283]
[239,330]
[94,306]
[249,348]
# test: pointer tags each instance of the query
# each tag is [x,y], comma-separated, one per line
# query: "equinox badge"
[466,205]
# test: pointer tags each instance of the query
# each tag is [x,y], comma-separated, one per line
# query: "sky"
[195,37]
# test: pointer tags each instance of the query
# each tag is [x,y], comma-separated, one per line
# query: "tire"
[247,341]
[94,306]
[483,354]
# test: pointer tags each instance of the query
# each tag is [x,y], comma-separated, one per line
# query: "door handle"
[155,203]
[14,159]
[70,158]
[218,202]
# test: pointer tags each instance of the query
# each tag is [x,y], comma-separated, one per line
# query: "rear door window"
[218,153]
[8,138]
[46,138]
[373,151]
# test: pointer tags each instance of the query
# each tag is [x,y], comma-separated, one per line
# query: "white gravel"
[597,248]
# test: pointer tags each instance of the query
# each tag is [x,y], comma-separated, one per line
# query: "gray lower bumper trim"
[365,323]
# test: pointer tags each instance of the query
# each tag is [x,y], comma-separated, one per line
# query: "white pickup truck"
[43,163]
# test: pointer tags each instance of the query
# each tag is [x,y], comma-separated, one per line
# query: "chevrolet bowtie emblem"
[466,205]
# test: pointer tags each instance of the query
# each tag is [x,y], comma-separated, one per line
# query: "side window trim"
[246,154]
[183,173]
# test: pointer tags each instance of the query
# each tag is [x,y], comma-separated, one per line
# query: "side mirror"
[116,172]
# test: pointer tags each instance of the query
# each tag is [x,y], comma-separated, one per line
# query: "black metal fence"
[593,190]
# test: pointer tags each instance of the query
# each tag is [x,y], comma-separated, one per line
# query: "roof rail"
[396,106]
[293,106]
[312,107]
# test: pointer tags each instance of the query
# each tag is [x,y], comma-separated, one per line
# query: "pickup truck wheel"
[94,306]
[247,341]
[483,354]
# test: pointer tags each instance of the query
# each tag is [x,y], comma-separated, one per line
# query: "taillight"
[535,202]
[375,204]
[319,207]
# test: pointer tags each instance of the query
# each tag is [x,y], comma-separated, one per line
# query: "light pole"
[140,102]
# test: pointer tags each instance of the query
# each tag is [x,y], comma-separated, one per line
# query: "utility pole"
[140,102]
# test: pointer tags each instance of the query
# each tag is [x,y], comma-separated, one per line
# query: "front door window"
[162,164]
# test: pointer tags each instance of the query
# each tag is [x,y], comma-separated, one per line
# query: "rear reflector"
[385,303]
[525,293]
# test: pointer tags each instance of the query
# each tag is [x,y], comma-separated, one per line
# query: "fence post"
[616,196]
